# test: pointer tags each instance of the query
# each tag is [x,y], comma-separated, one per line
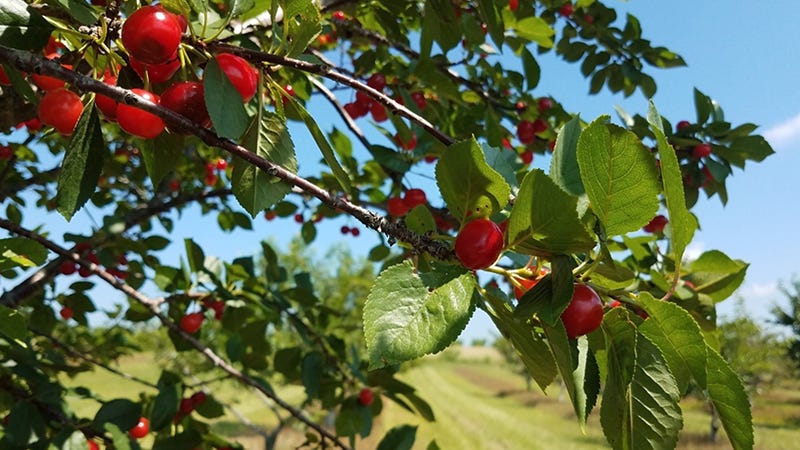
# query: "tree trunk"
[714,428]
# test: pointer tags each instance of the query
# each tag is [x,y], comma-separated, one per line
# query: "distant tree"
[756,354]
[790,317]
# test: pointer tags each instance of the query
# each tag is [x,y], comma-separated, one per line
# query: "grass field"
[479,404]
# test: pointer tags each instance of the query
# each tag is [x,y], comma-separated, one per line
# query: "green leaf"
[682,223]
[535,29]
[408,315]
[12,325]
[399,438]
[640,403]
[352,419]
[574,360]
[420,220]
[469,186]
[82,12]
[492,16]
[21,252]
[324,146]
[564,168]
[255,189]
[729,397]
[544,219]
[703,106]
[188,439]
[312,367]
[302,22]
[531,68]
[162,155]
[211,408]
[224,103]
[121,439]
[121,412]
[22,27]
[195,255]
[166,403]
[679,337]
[530,346]
[716,275]
[82,164]
[619,175]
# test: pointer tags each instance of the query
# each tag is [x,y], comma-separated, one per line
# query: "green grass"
[479,404]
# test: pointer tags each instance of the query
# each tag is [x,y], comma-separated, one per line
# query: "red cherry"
[156,73]
[290,90]
[139,122]
[66,313]
[526,284]
[299,218]
[656,225]
[218,306]
[211,179]
[4,80]
[242,75]
[192,322]
[378,111]
[513,5]
[588,18]
[566,10]
[430,159]
[185,407]
[345,229]
[141,429]
[411,144]
[354,232]
[92,445]
[521,106]
[33,125]
[506,143]
[68,268]
[396,207]
[682,124]
[584,313]
[479,244]
[526,156]
[419,99]
[198,398]
[178,18]
[151,35]
[365,397]
[544,104]
[186,98]
[338,15]
[364,99]
[614,304]
[701,150]
[526,132]
[356,109]
[377,81]
[6,152]
[46,82]
[415,197]
[221,164]
[270,215]
[539,125]
[60,109]
[105,104]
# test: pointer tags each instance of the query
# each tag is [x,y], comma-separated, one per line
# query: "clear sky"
[742,54]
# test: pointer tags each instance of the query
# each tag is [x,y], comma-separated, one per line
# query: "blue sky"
[745,56]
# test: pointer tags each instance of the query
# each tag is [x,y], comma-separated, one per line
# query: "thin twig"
[395,230]
[175,328]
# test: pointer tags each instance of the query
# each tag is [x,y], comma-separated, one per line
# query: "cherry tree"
[153,109]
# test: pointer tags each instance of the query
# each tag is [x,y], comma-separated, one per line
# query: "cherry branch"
[35,281]
[152,305]
[396,231]
[80,355]
[397,177]
[331,73]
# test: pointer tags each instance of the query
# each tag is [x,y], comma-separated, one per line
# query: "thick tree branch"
[397,231]
[153,306]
